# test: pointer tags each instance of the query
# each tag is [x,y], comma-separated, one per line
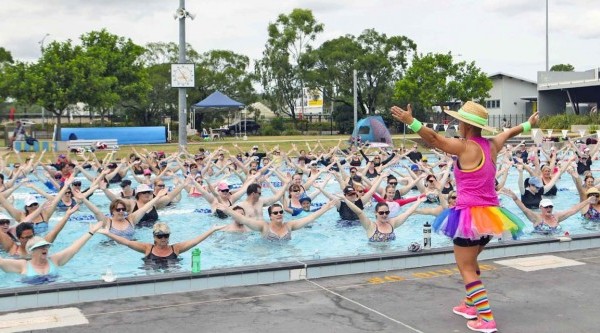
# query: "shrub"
[292,132]
[268,130]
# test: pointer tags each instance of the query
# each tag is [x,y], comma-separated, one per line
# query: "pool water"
[323,239]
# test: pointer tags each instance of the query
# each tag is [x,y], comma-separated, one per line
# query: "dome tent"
[372,129]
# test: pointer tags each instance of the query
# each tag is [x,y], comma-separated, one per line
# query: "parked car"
[252,127]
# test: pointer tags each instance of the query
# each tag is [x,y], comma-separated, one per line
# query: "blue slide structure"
[124,135]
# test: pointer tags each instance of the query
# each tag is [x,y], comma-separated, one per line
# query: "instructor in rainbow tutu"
[477,217]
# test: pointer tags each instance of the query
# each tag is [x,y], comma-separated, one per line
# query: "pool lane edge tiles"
[43,319]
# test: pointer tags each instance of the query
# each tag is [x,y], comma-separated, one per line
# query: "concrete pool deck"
[528,296]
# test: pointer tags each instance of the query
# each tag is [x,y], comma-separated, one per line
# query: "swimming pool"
[325,239]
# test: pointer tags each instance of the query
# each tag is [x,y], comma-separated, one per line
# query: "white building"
[511,97]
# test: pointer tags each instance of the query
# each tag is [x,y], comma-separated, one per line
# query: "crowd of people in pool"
[367,176]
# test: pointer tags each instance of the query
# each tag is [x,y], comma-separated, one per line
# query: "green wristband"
[415,126]
[526,126]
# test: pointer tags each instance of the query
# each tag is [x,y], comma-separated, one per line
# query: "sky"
[507,36]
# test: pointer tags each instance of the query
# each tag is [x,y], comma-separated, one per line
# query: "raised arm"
[188,244]
[63,257]
[300,223]
[134,245]
[531,215]
[400,219]
[254,224]
[51,235]
[582,206]
[362,217]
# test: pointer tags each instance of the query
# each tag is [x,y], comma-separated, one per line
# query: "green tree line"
[112,75]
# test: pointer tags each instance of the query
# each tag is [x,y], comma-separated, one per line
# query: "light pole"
[547,58]
[182,14]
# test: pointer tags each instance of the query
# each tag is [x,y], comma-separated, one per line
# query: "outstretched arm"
[300,223]
[186,245]
[400,219]
[62,257]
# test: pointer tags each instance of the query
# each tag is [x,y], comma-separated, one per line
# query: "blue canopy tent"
[219,101]
[372,129]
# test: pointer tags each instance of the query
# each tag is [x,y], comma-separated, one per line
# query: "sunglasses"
[383,212]
[160,185]
[393,183]
[351,194]
[77,184]
[549,207]
[69,193]
[259,193]
[361,191]
[453,197]
[120,209]
[162,236]
[295,191]
[597,195]
[26,237]
[35,204]
[5,222]
[279,212]
[225,191]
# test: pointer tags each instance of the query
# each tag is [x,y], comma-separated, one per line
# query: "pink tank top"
[476,187]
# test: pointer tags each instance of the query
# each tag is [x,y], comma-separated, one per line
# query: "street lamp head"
[181,13]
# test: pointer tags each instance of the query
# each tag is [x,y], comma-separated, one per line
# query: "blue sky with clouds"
[499,35]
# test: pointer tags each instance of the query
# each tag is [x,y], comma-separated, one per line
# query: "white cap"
[30,200]
[143,188]
[546,203]
[36,242]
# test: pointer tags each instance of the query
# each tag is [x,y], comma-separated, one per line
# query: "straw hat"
[473,114]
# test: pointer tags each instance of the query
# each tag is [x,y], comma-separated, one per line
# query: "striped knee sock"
[478,295]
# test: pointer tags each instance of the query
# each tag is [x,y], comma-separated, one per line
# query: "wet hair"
[270,209]
[381,204]
[239,208]
[252,188]
[115,203]
[22,227]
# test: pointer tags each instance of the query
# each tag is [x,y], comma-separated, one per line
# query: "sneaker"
[481,325]
[468,312]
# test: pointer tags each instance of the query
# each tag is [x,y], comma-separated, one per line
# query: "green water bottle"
[196,260]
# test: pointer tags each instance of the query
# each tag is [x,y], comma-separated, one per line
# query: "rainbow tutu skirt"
[476,222]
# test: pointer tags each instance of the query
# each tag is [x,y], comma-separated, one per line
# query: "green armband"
[415,126]
[526,126]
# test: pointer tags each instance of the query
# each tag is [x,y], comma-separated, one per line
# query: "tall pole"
[547,58]
[355,98]
[182,91]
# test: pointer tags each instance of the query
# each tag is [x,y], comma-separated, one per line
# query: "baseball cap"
[254,147]
[222,186]
[349,189]
[147,172]
[30,200]
[415,167]
[305,198]
[142,188]
[35,242]
[546,203]
[535,181]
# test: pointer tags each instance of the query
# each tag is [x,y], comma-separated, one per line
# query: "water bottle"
[427,236]
[196,260]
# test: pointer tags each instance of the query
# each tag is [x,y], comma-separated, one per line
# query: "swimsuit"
[149,218]
[31,272]
[221,214]
[154,257]
[62,206]
[126,233]
[346,213]
[379,236]
[545,229]
[271,236]
[40,227]
[592,214]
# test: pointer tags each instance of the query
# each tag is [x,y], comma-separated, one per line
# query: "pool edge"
[62,294]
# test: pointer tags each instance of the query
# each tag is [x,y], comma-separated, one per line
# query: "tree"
[122,78]
[378,59]
[282,70]
[562,68]
[435,80]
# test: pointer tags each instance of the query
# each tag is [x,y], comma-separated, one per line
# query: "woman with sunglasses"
[119,222]
[42,213]
[160,251]
[582,186]
[382,229]
[445,202]
[592,212]
[42,267]
[546,222]
[477,215]
[276,229]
